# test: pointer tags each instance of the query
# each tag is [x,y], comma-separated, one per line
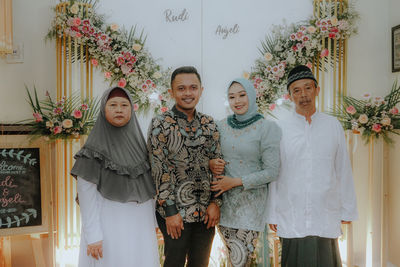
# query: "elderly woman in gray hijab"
[115,189]
[250,148]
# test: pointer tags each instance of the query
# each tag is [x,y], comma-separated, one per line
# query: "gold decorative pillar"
[6,29]
[331,71]
[74,76]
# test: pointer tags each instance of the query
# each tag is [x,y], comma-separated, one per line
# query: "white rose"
[363,118]
[67,123]
[268,56]
[137,47]
[74,9]
[334,21]
[386,121]
[49,124]
[157,75]
[114,26]
[311,29]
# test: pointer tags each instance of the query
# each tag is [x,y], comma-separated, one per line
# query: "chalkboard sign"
[20,191]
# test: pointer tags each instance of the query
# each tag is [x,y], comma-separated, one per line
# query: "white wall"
[31,20]
[369,71]
[194,42]
[394,170]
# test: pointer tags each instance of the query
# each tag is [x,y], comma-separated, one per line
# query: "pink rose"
[376,127]
[77,21]
[107,75]
[135,107]
[309,65]
[324,53]
[351,110]
[57,130]
[94,62]
[38,117]
[272,106]
[78,35]
[77,114]
[286,96]
[164,109]
[122,83]
[394,111]
[125,69]
[84,107]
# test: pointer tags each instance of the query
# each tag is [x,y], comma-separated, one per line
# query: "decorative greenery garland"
[120,54]
[26,158]
[17,220]
[291,45]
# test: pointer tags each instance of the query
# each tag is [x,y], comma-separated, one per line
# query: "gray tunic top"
[253,155]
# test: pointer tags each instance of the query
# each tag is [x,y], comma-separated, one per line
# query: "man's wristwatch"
[217,202]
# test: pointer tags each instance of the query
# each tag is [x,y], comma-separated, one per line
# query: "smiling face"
[186,90]
[303,93]
[238,99]
[118,111]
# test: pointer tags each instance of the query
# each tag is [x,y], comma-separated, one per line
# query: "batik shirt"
[179,154]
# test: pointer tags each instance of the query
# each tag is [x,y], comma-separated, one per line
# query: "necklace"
[234,123]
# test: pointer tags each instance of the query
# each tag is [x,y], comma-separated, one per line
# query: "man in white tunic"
[314,193]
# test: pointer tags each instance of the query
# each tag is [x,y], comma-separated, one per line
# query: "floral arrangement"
[67,118]
[121,55]
[291,45]
[371,116]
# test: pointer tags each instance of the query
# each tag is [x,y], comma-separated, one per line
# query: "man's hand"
[95,250]
[217,166]
[225,183]
[212,215]
[346,222]
[174,225]
[273,227]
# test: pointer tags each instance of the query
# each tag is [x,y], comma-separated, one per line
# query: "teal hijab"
[241,121]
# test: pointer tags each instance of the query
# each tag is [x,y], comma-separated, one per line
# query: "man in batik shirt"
[181,142]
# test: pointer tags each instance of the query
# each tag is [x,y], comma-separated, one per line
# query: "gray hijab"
[116,159]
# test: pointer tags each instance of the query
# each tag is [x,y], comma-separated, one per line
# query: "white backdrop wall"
[394,170]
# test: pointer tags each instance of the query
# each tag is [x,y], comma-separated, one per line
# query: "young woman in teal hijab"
[250,148]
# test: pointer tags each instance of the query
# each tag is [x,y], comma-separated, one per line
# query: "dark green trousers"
[310,251]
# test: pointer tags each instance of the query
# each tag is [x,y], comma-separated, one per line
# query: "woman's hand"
[224,183]
[95,250]
[217,166]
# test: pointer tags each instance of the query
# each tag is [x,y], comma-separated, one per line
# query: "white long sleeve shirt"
[315,188]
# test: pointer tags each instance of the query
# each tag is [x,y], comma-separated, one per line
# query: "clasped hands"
[223,183]
[175,225]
